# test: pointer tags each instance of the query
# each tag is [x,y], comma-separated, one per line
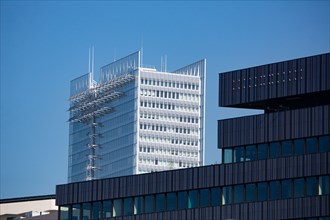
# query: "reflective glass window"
[250,153]
[262,151]
[311,186]
[96,210]
[86,211]
[170,201]
[215,196]
[226,195]
[286,189]
[138,205]
[324,144]
[117,207]
[128,206]
[311,145]
[204,197]
[299,187]
[238,193]
[149,203]
[64,212]
[274,190]
[228,155]
[262,191]
[286,147]
[182,200]
[76,212]
[192,199]
[274,149]
[238,154]
[250,192]
[298,146]
[324,218]
[324,185]
[160,202]
[107,207]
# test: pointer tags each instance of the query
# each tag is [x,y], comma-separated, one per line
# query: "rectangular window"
[250,153]
[128,206]
[262,151]
[76,211]
[274,190]
[228,155]
[311,186]
[299,187]
[117,207]
[149,203]
[107,207]
[250,192]
[204,197]
[324,144]
[182,200]
[64,212]
[324,185]
[160,202]
[311,145]
[170,201]
[138,205]
[238,154]
[238,193]
[274,149]
[215,196]
[96,210]
[298,147]
[86,211]
[262,191]
[286,148]
[286,189]
[226,195]
[192,199]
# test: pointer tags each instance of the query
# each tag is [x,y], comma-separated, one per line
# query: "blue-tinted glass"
[238,154]
[170,202]
[299,185]
[286,148]
[226,195]
[117,207]
[228,155]
[149,203]
[64,212]
[311,145]
[262,151]
[324,185]
[182,200]
[107,207]
[192,199]
[128,206]
[286,189]
[298,147]
[76,212]
[215,196]
[160,202]
[250,153]
[238,193]
[262,191]
[250,192]
[274,190]
[138,205]
[86,211]
[274,150]
[324,144]
[96,210]
[324,218]
[311,186]
[204,197]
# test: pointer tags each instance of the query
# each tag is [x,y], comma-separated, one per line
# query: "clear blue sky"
[45,44]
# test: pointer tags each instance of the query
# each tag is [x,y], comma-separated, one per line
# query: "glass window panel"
[226,195]
[228,155]
[204,197]
[128,206]
[286,148]
[96,210]
[86,210]
[262,151]
[286,189]
[117,207]
[274,190]
[250,192]
[76,212]
[274,150]
[238,193]
[138,205]
[64,212]
[149,203]
[182,200]
[324,144]
[250,153]
[192,199]
[298,147]
[324,185]
[160,202]
[170,202]
[262,191]
[215,196]
[324,218]
[311,186]
[311,145]
[107,207]
[238,154]
[299,185]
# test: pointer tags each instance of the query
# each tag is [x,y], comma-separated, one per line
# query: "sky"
[44,45]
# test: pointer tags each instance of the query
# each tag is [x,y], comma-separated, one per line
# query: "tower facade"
[136,120]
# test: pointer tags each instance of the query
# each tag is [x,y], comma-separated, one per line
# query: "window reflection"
[215,196]
[192,199]
[226,195]
[76,212]
[324,185]
[299,185]
[107,208]
[298,147]
[286,147]
[250,192]
[170,201]
[238,154]
[274,190]
[204,197]
[286,189]
[117,207]
[262,191]
[311,186]
[182,196]
[149,203]
[238,193]
[274,150]
[311,145]
[262,151]
[160,202]
[228,155]
[128,206]
[250,153]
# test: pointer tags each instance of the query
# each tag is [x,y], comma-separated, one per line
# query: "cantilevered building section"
[136,120]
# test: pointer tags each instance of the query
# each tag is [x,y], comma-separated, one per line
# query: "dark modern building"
[276,165]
